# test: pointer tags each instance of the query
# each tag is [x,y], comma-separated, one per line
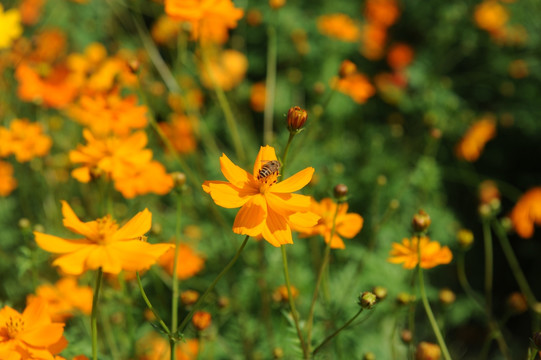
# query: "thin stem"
[226,107]
[270,84]
[174,300]
[94,315]
[430,314]
[286,150]
[463,280]
[320,273]
[487,236]
[514,264]
[197,305]
[292,305]
[150,307]
[330,337]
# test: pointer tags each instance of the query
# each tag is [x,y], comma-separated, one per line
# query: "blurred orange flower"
[427,351]
[24,139]
[31,11]
[164,30]
[109,113]
[53,87]
[155,347]
[258,95]
[280,294]
[10,26]
[148,178]
[357,86]
[209,19]
[64,298]
[189,262]
[227,68]
[527,213]
[381,12]
[103,245]
[491,16]
[432,253]
[49,46]
[28,335]
[400,55]
[373,41]
[268,208]
[473,142]
[338,26]
[7,182]
[347,225]
[201,320]
[180,133]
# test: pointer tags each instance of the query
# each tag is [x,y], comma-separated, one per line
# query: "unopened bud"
[380,292]
[134,66]
[517,302]
[427,351]
[201,320]
[536,338]
[446,296]
[189,297]
[405,298]
[276,4]
[406,336]
[296,118]
[367,300]
[277,353]
[421,221]
[223,302]
[464,238]
[24,223]
[347,68]
[369,356]
[179,179]
[341,192]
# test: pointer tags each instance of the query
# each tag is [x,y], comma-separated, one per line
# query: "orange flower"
[373,41]
[427,351]
[357,86]
[228,69]
[338,26]
[491,16]
[347,225]
[165,30]
[24,139]
[382,12]
[10,27]
[28,335]
[7,182]
[52,87]
[527,212]
[473,142]
[399,56]
[432,254]
[64,298]
[258,95]
[155,347]
[180,133]
[209,19]
[189,262]
[201,320]
[104,244]
[31,11]
[149,178]
[268,208]
[110,113]
[280,294]
[50,45]
[115,157]
[391,86]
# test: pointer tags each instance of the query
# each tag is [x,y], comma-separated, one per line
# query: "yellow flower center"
[266,182]
[14,326]
[106,228]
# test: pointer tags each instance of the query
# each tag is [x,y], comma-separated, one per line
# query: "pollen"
[14,326]
[267,181]
[106,226]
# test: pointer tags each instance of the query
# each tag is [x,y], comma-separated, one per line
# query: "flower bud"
[405,298]
[380,292]
[277,353]
[517,302]
[367,300]
[406,336]
[446,296]
[347,68]
[276,4]
[189,297]
[296,117]
[465,238]
[421,221]
[201,320]
[427,351]
[341,192]
[24,223]
[536,338]
[281,294]
[369,356]
[179,179]
[223,302]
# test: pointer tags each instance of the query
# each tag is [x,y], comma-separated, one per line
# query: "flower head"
[527,212]
[192,263]
[10,26]
[347,225]
[357,86]
[7,182]
[103,245]
[473,142]
[268,207]
[339,26]
[432,253]
[24,139]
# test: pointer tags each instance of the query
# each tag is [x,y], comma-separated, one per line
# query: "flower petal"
[74,263]
[304,220]
[336,242]
[72,222]
[295,182]
[233,173]
[251,216]
[227,195]
[101,256]
[44,335]
[266,154]
[349,225]
[57,245]
[287,204]
[138,255]
[136,227]
[278,227]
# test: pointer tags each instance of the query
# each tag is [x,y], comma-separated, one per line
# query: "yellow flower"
[268,207]
[347,225]
[104,244]
[432,254]
[10,26]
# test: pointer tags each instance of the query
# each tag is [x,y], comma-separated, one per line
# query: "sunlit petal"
[295,182]
[58,245]
[266,154]
[233,173]
[225,194]
[279,228]
[72,222]
[251,216]
[349,225]
[74,262]
[136,227]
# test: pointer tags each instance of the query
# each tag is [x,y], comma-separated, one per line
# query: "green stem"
[197,305]
[326,255]
[463,280]
[270,85]
[330,337]
[292,305]
[226,108]
[174,300]
[487,236]
[150,307]
[94,315]
[286,150]
[430,314]
[514,264]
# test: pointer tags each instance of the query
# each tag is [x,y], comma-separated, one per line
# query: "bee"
[269,168]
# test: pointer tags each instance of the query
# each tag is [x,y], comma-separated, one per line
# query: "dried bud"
[276,4]
[189,297]
[367,300]
[405,298]
[427,351]
[201,320]
[369,356]
[465,238]
[421,221]
[536,338]
[347,68]
[517,302]
[341,192]
[446,296]
[179,179]
[406,336]
[223,302]
[296,118]
[380,291]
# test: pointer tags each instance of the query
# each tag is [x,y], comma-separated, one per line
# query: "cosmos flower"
[432,253]
[103,245]
[339,26]
[268,207]
[24,139]
[10,26]
[474,140]
[527,212]
[189,262]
